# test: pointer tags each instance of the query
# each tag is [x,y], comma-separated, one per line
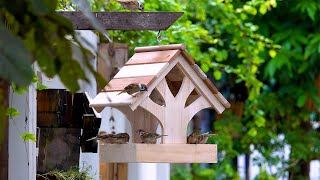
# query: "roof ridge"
[160,48]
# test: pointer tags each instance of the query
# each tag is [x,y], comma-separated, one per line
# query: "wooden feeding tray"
[177,90]
[151,153]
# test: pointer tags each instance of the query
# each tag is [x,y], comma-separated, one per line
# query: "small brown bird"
[203,138]
[120,138]
[131,5]
[193,137]
[149,138]
[134,88]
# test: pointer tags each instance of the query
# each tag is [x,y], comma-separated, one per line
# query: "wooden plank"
[122,171]
[111,58]
[211,86]
[153,57]
[160,48]
[120,84]
[4,153]
[125,20]
[54,109]
[58,149]
[107,171]
[135,71]
[158,153]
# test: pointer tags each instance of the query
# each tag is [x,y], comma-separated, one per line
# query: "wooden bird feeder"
[177,90]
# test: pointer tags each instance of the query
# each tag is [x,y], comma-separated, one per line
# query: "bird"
[193,137]
[131,5]
[203,138]
[120,138]
[148,137]
[134,88]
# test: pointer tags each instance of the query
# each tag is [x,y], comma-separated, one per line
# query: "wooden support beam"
[125,20]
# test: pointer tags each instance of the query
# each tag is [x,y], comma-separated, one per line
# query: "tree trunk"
[4,124]
[300,171]
[247,166]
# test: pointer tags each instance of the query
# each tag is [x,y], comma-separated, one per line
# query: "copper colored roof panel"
[118,84]
[152,57]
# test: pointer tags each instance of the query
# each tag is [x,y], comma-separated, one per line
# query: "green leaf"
[260,121]
[70,73]
[28,136]
[263,8]
[217,75]
[43,7]
[12,112]
[15,59]
[301,100]
[46,61]
[19,89]
[205,67]
[41,86]
[311,10]
[272,53]
[252,132]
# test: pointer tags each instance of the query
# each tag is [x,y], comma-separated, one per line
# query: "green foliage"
[12,112]
[28,136]
[37,31]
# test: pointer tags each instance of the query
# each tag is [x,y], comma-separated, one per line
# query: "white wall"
[22,155]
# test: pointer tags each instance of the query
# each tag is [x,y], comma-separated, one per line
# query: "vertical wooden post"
[4,155]
[110,59]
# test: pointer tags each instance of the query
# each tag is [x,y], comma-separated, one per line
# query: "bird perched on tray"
[131,5]
[203,138]
[197,138]
[148,137]
[120,138]
[134,88]
[193,137]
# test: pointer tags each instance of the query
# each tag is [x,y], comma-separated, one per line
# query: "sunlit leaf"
[28,137]
[272,53]
[12,112]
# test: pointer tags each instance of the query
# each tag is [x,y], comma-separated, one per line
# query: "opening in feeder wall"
[194,95]
[156,97]
[174,79]
[202,120]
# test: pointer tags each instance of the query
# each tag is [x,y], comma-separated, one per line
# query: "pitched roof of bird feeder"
[149,65]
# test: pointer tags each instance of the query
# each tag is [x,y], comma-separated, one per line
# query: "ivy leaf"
[15,60]
[28,136]
[272,53]
[252,132]
[217,75]
[41,86]
[301,100]
[12,112]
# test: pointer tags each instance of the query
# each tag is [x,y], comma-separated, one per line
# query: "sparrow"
[120,138]
[203,138]
[149,138]
[193,137]
[134,88]
[131,5]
